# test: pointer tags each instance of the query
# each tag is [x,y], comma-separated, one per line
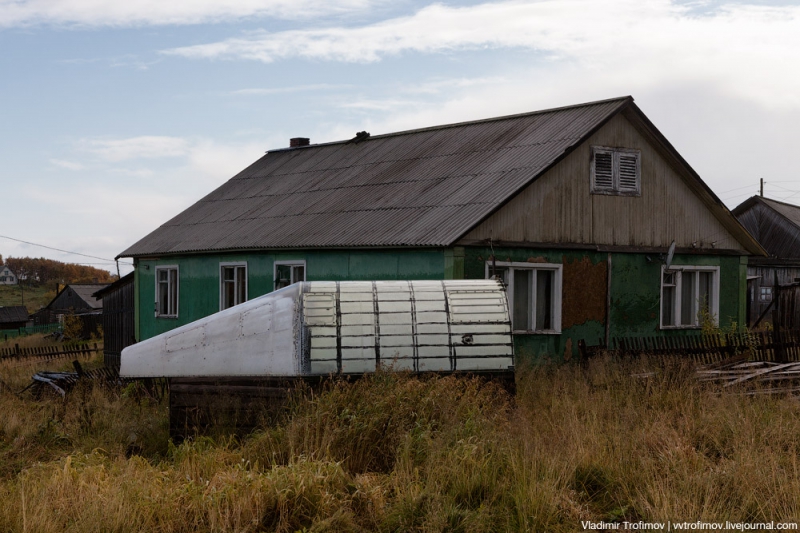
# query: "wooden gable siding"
[560,208]
[779,236]
[68,299]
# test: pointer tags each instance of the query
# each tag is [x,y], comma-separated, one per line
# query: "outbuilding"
[776,226]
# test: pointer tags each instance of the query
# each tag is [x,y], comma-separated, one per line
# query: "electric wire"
[63,251]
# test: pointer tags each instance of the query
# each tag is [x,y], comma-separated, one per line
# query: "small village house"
[74,299]
[574,208]
[7,276]
[776,226]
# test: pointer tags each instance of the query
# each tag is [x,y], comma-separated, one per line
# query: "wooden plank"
[759,373]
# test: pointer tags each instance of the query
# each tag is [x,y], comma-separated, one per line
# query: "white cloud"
[157,12]
[143,147]
[746,50]
[69,165]
[292,89]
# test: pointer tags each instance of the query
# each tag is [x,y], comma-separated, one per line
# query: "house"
[75,299]
[574,208]
[776,226]
[13,317]
[118,322]
[7,277]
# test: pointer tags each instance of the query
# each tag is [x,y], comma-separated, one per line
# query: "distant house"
[13,317]
[574,208]
[776,225]
[118,318]
[7,277]
[76,298]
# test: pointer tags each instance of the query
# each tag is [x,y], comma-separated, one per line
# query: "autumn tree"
[41,271]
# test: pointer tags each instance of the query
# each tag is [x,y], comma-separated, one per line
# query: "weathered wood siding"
[560,208]
[766,278]
[69,300]
[118,322]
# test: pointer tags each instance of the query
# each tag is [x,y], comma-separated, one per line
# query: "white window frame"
[679,270]
[557,269]
[297,263]
[615,188]
[169,292]
[234,264]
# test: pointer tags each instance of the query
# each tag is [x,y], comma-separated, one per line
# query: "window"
[167,291]
[534,295]
[232,284]
[288,272]
[616,171]
[688,296]
[766,294]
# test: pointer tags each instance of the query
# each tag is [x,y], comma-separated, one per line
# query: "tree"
[47,271]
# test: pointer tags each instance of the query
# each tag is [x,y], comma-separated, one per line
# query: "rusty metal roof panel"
[424,187]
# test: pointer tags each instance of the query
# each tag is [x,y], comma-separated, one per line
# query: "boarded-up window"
[616,171]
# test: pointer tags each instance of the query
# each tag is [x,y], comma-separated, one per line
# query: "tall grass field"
[395,453]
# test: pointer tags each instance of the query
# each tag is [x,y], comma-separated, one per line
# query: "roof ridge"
[620,99]
[787,204]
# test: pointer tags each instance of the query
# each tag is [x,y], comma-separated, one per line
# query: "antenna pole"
[762,187]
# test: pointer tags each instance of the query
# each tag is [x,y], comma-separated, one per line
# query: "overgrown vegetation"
[394,453]
[41,271]
[35,297]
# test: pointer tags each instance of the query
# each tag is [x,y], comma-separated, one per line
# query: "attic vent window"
[616,171]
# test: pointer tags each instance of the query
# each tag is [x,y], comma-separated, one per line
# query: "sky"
[116,116]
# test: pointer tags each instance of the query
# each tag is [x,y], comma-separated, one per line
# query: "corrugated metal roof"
[791,212]
[16,313]
[776,225]
[423,187]
[86,293]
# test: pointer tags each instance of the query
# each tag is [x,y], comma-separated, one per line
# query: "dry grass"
[394,453]
[37,340]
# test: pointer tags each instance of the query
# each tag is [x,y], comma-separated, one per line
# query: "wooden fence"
[6,334]
[47,353]
[775,346]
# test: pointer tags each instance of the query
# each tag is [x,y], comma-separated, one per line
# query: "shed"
[776,225]
[13,317]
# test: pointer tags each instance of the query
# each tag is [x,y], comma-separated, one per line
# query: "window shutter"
[603,170]
[628,172]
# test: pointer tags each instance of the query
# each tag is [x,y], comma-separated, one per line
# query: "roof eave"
[718,208]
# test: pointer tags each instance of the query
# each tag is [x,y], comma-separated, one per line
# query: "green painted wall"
[199,277]
[635,287]
[635,290]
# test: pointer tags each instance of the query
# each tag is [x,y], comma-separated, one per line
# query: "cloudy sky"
[117,115]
